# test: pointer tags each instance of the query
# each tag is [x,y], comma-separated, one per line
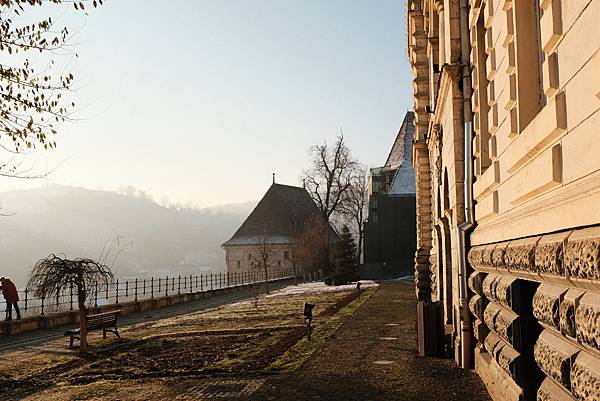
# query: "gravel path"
[373,356]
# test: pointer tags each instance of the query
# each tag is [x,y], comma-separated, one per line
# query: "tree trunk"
[83,345]
[359,246]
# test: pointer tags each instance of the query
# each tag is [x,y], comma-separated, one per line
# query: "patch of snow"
[317,287]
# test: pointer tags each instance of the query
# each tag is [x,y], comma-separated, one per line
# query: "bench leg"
[104,333]
[71,342]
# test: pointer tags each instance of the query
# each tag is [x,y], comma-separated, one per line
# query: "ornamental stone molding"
[492,344]
[476,281]
[480,330]
[520,254]
[511,361]
[550,391]
[505,356]
[546,304]
[567,309]
[497,255]
[582,254]
[499,288]
[555,357]
[585,378]
[477,306]
[489,286]
[423,274]
[549,254]
[503,321]
[572,256]
[587,320]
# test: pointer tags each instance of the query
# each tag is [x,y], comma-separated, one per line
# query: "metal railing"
[141,289]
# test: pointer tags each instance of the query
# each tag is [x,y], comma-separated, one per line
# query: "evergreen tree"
[345,269]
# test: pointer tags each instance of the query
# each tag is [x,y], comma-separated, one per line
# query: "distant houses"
[279,216]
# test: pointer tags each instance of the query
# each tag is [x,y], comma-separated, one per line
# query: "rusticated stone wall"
[566,305]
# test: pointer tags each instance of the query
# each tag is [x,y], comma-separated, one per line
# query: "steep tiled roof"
[283,208]
[402,147]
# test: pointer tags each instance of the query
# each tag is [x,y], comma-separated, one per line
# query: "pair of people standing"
[11,295]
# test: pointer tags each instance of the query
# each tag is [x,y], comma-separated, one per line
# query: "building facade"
[277,218]
[389,231]
[507,101]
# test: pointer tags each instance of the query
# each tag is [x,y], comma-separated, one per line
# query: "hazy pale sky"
[201,100]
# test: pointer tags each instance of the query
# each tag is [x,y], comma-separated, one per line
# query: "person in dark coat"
[11,295]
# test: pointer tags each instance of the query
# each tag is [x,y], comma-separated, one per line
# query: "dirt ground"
[361,349]
[163,359]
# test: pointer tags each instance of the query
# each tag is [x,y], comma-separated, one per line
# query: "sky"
[200,101]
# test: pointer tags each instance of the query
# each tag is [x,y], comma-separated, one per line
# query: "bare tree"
[33,99]
[330,175]
[55,275]
[355,206]
[264,255]
[308,246]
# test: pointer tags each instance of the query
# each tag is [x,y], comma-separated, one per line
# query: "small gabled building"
[281,213]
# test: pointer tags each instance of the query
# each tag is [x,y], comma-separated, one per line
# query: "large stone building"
[507,101]
[281,213]
[389,232]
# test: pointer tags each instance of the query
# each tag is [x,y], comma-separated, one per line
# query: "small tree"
[345,267]
[354,206]
[308,246]
[54,275]
[264,254]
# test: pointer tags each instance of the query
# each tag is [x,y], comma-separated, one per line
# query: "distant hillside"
[148,238]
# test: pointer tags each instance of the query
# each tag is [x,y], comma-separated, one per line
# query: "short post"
[211,281]
[26,293]
[152,286]
[42,305]
[179,285]
[308,316]
[358,287]
[126,289]
[166,286]
[135,297]
[144,284]
[117,293]
[201,283]
[191,289]
[96,295]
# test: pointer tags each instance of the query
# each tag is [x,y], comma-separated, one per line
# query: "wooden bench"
[106,321]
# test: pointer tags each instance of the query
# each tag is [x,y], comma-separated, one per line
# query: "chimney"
[273,178]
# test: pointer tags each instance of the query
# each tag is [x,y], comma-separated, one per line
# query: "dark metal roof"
[276,217]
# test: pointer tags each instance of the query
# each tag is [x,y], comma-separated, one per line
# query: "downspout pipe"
[466,325]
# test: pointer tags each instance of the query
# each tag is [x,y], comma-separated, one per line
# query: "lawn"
[162,359]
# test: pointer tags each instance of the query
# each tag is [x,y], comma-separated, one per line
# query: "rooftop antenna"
[273,178]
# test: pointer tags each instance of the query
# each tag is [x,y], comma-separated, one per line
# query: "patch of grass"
[248,351]
[303,349]
[95,390]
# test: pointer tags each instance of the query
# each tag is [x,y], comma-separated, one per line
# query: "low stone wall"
[71,317]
